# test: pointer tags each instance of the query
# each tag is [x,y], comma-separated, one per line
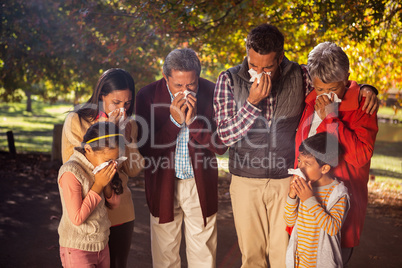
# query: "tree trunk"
[29,100]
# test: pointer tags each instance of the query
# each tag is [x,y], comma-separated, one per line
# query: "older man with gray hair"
[178,141]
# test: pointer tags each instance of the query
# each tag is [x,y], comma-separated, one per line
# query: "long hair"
[111,80]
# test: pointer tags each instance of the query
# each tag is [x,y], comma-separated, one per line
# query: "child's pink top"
[79,209]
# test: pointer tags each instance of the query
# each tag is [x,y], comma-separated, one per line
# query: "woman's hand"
[324,106]
[127,132]
[116,116]
[103,177]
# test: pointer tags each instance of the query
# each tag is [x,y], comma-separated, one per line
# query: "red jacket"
[357,132]
[156,128]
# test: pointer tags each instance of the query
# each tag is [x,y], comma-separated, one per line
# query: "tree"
[65,45]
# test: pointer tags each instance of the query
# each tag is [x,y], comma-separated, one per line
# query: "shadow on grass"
[393,149]
[30,135]
[386,173]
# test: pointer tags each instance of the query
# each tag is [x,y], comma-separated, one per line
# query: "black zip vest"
[268,149]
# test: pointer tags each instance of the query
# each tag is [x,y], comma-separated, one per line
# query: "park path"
[30,211]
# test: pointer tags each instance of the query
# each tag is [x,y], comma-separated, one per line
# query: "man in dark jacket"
[178,141]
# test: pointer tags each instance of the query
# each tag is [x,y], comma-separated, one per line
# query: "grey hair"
[184,59]
[328,62]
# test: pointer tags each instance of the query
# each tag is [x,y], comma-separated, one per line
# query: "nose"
[259,70]
[120,105]
[301,166]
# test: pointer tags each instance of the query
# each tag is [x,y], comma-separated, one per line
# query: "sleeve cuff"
[291,201]
[192,120]
[254,110]
[174,122]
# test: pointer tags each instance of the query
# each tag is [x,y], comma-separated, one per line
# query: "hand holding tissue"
[254,75]
[297,172]
[185,92]
[105,164]
[330,95]
[121,111]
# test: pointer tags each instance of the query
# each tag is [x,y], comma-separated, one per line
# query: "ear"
[88,149]
[281,58]
[325,169]
[164,76]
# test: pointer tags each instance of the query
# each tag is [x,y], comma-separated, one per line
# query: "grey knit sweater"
[93,234]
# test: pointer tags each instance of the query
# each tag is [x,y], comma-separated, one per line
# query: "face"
[180,81]
[117,99]
[264,63]
[339,88]
[310,167]
[98,157]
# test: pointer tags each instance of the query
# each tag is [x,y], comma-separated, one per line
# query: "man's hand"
[178,109]
[260,91]
[371,103]
[324,106]
[192,109]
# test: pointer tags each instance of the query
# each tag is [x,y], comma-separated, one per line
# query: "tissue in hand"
[105,164]
[185,92]
[121,110]
[329,95]
[254,75]
[297,172]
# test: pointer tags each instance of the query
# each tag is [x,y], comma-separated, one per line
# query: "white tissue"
[121,110]
[297,172]
[105,164]
[329,95]
[254,75]
[185,92]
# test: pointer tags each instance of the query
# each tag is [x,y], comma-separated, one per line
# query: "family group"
[299,140]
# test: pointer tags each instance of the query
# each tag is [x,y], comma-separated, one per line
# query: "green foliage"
[49,47]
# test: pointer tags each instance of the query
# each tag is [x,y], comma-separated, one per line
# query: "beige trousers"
[258,210]
[200,240]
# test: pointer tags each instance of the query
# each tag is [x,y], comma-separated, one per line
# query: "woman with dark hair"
[113,101]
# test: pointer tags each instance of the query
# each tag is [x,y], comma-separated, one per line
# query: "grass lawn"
[33,132]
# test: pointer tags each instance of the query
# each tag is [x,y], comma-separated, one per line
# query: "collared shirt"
[182,165]
[233,125]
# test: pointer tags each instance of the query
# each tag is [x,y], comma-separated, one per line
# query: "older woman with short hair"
[333,106]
